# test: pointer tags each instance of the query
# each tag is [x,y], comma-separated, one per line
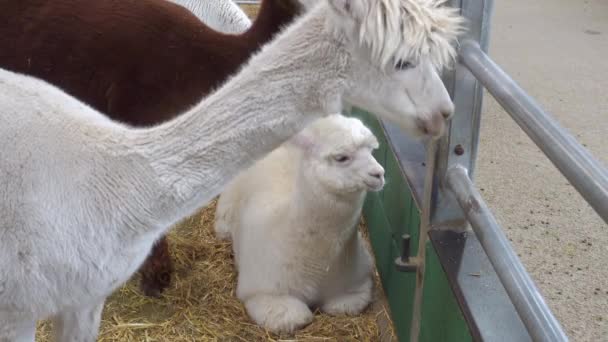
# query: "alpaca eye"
[341,158]
[404,65]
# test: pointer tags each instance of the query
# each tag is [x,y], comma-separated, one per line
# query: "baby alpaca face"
[342,159]
[347,171]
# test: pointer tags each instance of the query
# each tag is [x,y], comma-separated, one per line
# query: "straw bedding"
[201,304]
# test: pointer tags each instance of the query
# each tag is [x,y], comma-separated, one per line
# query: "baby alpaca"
[293,220]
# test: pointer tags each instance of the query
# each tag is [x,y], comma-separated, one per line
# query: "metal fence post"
[455,170]
[459,146]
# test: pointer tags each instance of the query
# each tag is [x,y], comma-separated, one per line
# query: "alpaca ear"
[342,6]
[351,9]
[302,141]
[308,4]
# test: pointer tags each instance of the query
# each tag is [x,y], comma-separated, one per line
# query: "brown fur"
[140,62]
[157,269]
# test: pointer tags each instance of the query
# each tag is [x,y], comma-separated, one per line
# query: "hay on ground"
[202,306]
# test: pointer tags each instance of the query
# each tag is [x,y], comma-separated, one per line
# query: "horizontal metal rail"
[587,175]
[526,298]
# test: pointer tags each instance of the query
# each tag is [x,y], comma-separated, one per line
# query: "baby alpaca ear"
[302,141]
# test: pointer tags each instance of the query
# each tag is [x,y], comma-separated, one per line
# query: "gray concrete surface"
[558,51]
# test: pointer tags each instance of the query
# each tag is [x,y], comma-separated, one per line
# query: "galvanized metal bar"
[425,226]
[526,298]
[485,305]
[465,90]
[459,146]
[585,173]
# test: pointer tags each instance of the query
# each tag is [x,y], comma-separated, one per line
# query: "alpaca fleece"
[83,198]
[293,220]
[140,62]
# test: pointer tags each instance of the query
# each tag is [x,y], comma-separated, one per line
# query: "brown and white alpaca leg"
[157,269]
[79,325]
[279,314]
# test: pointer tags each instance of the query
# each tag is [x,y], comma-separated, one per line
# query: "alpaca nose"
[447,110]
[433,126]
[378,174]
[447,114]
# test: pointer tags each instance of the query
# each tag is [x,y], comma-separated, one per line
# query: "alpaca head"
[399,48]
[337,154]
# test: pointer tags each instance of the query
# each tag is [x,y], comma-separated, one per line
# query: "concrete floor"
[557,50]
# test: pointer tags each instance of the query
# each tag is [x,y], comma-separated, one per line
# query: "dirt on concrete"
[557,50]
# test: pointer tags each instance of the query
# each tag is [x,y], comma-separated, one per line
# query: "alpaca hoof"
[157,269]
[292,320]
[280,315]
[153,286]
[222,231]
[222,235]
[150,291]
[349,304]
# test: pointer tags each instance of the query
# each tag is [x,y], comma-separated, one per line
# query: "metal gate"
[450,204]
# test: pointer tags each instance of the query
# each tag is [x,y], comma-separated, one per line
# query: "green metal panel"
[397,199]
[442,319]
[389,214]
[398,286]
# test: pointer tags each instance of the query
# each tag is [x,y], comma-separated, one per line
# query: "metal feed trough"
[461,284]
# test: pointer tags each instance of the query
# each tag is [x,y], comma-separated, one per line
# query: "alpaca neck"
[327,221]
[195,155]
[333,209]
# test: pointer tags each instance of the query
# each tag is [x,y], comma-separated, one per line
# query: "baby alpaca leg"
[350,302]
[79,325]
[223,217]
[351,289]
[279,314]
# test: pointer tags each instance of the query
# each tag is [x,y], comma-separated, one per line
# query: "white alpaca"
[221,15]
[293,221]
[82,198]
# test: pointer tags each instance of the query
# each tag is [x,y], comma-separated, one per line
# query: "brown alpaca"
[140,62]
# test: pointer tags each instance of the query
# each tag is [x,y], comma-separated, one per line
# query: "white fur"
[82,198]
[293,221]
[221,15]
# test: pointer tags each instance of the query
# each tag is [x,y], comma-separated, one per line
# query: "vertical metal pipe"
[467,95]
[526,298]
[425,226]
